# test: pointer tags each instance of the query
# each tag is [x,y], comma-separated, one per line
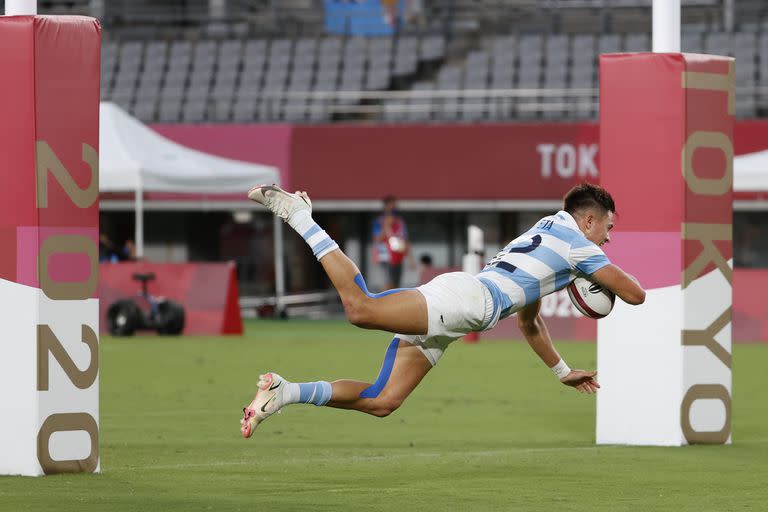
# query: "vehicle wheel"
[170,318]
[123,318]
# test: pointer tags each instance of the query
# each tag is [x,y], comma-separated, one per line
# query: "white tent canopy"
[750,172]
[135,158]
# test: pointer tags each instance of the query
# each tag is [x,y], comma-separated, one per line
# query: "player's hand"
[584,382]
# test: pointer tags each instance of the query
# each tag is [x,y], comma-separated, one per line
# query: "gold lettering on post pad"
[705,392]
[708,186]
[67,422]
[48,343]
[714,82]
[48,161]
[706,338]
[707,234]
[74,244]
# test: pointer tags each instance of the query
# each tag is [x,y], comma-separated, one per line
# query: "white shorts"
[457,304]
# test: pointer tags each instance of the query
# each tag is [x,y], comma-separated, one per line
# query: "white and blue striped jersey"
[543,260]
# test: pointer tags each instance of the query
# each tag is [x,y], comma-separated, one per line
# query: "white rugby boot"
[268,401]
[281,203]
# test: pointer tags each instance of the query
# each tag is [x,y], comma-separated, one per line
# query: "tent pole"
[139,221]
[277,228]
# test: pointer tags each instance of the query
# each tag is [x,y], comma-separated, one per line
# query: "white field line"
[397,456]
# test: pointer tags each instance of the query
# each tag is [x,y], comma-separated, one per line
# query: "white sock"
[313,234]
[291,393]
[301,221]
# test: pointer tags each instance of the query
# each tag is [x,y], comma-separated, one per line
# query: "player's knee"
[358,311]
[386,406]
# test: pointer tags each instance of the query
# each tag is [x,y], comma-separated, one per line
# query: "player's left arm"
[589,259]
[626,286]
[535,331]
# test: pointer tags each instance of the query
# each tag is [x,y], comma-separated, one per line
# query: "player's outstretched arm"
[535,331]
[622,284]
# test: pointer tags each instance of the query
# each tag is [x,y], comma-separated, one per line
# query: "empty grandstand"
[460,60]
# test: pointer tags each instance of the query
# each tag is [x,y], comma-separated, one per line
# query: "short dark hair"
[586,195]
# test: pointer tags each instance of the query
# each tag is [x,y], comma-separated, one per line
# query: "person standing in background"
[390,239]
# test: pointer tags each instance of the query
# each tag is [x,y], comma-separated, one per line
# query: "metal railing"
[491,104]
[488,104]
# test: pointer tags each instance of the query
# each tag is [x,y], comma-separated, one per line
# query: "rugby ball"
[590,298]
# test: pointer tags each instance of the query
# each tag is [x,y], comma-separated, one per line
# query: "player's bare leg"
[389,391]
[403,368]
[403,311]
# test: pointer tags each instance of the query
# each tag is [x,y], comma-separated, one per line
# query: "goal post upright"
[666,155]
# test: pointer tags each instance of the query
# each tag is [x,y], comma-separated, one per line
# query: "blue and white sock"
[317,393]
[313,234]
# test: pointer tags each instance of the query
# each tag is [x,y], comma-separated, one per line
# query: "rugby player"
[427,319]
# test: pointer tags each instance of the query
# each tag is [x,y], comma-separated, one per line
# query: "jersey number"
[497,260]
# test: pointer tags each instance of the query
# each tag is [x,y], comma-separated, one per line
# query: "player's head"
[390,203]
[593,208]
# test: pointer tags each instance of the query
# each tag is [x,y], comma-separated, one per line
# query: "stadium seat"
[149,85]
[640,42]
[351,84]
[221,110]
[529,78]
[230,50]
[244,109]
[170,110]
[745,52]
[504,46]
[694,28]
[476,73]
[718,43]
[406,56]
[145,109]
[305,47]
[432,48]
[608,43]
[108,64]
[419,108]
[555,75]
[691,42]
[556,68]
[330,45]
[449,79]
[194,110]
[583,62]
[266,76]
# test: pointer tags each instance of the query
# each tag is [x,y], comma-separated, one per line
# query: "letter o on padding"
[708,186]
[705,392]
[63,422]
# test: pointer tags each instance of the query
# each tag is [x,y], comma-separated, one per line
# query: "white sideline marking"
[362,458]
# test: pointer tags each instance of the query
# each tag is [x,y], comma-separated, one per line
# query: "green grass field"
[489,429]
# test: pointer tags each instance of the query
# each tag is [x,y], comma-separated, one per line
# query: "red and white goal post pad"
[49,231]
[666,156]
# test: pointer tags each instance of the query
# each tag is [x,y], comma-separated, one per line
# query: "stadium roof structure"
[750,172]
